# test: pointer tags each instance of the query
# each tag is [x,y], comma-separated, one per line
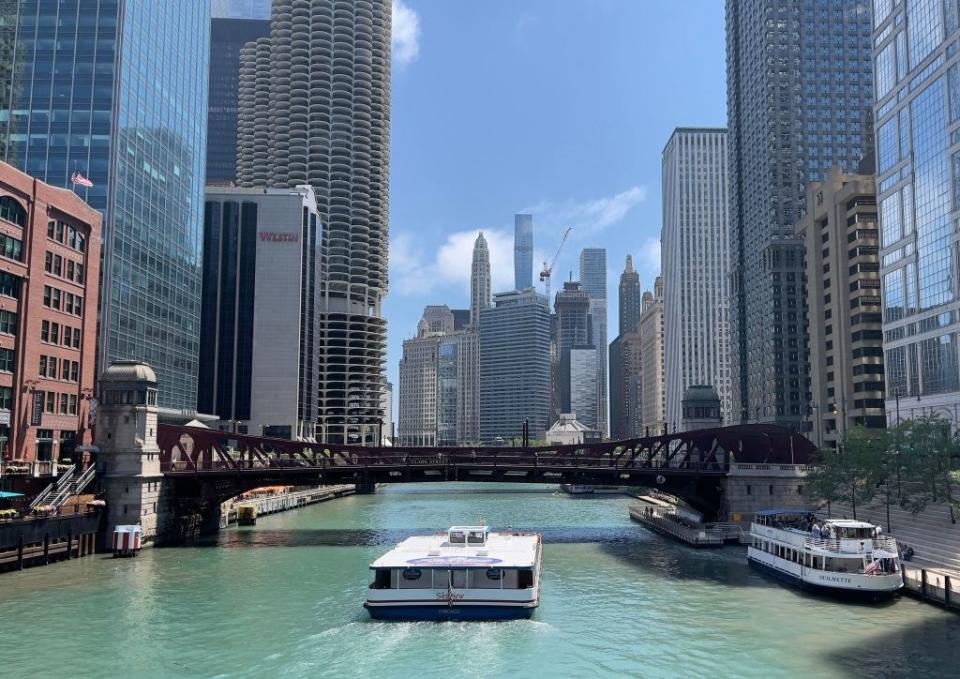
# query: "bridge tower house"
[128,461]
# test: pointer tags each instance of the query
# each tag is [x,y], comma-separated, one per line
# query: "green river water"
[284,599]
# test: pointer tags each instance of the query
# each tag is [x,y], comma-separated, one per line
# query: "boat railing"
[852,545]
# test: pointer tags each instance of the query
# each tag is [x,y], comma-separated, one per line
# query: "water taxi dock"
[673,522]
[282,500]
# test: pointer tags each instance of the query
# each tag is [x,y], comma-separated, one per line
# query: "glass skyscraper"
[522,251]
[514,366]
[593,278]
[117,91]
[799,101]
[233,25]
[918,190]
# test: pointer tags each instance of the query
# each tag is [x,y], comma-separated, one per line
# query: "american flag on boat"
[79,180]
[871,567]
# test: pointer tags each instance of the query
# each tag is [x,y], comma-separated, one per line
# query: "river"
[284,599]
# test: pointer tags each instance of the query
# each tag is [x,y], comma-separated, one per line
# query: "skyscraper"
[630,298]
[626,386]
[799,94]
[315,109]
[514,366]
[417,413]
[258,347]
[650,329]
[233,25]
[116,90]
[574,327]
[843,299]
[695,257]
[523,251]
[468,348]
[479,280]
[918,184]
[593,278]
[625,368]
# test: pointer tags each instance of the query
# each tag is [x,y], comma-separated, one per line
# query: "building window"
[8,322]
[11,248]
[64,407]
[50,402]
[10,284]
[43,366]
[6,398]
[7,360]
[12,211]
[44,445]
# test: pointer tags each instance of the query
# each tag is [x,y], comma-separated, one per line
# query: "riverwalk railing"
[932,585]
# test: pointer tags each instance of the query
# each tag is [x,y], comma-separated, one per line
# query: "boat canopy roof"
[847,523]
[796,511]
[499,550]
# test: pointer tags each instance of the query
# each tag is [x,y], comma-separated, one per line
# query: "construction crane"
[548,270]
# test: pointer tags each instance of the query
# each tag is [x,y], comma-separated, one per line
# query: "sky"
[560,108]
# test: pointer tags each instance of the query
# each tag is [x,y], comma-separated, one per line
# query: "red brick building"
[49,280]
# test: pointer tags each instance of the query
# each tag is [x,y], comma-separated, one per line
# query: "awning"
[6,495]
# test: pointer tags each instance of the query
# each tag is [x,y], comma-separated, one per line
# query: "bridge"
[208,467]
[172,480]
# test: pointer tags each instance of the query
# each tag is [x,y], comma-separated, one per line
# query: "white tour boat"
[467,573]
[834,556]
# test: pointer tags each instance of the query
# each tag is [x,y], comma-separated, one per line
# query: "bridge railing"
[239,461]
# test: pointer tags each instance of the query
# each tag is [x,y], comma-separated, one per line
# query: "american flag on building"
[78,179]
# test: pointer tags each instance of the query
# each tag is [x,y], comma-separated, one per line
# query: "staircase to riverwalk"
[75,486]
[54,488]
[933,536]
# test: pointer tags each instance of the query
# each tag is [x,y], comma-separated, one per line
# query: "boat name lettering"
[444,596]
[834,578]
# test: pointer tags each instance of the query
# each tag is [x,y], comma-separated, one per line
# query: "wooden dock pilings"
[40,541]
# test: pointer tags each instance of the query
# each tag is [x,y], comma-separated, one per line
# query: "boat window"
[414,578]
[457,537]
[525,578]
[476,537]
[460,578]
[381,579]
[412,573]
[485,578]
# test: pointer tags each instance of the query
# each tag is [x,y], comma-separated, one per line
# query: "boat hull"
[438,612]
[835,592]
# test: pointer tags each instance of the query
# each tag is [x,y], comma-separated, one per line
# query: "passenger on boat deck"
[816,531]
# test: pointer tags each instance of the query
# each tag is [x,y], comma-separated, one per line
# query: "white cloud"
[588,217]
[405,34]
[414,272]
[650,254]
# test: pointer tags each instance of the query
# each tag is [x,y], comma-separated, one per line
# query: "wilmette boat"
[838,557]
[467,573]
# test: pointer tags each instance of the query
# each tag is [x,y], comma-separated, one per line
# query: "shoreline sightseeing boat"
[467,573]
[840,558]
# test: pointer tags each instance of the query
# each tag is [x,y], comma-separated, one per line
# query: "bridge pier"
[365,488]
[750,488]
[128,462]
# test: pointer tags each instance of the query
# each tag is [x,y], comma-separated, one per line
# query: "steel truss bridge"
[210,466]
